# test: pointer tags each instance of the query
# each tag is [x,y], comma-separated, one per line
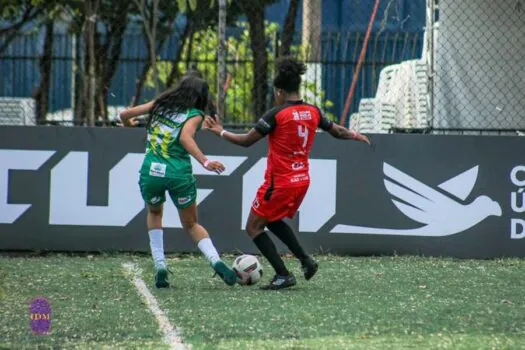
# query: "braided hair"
[191,92]
[288,77]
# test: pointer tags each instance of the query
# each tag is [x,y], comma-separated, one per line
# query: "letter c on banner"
[514,176]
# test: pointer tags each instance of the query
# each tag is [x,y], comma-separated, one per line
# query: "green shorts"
[183,192]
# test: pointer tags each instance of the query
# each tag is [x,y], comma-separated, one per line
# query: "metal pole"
[73,75]
[431,59]
[221,58]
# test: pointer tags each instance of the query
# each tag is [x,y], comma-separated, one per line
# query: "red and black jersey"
[291,129]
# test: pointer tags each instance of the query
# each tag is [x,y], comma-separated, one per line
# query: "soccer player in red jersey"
[291,128]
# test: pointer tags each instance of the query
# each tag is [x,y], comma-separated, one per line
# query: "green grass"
[93,305]
[353,303]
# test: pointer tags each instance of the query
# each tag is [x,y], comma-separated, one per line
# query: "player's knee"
[252,229]
[188,217]
[155,210]
[188,223]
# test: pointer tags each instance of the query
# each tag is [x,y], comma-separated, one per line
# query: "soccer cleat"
[309,267]
[161,277]
[228,276]
[280,282]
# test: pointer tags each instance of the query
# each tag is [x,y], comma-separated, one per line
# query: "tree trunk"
[255,16]
[108,59]
[222,69]
[175,72]
[140,83]
[79,113]
[148,65]
[100,63]
[42,94]
[312,29]
[189,51]
[149,24]
[289,28]
[90,42]
[9,33]
[153,42]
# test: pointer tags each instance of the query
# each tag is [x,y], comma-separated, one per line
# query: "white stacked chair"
[17,111]
[401,100]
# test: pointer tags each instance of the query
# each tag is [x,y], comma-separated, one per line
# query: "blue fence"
[340,54]
[19,66]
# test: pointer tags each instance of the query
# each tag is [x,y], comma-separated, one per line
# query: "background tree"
[16,14]
[288,31]
[45,66]
[91,10]
[241,71]
[254,11]
[113,21]
[149,14]
[53,11]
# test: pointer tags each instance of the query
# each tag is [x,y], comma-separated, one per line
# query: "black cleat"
[309,267]
[280,282]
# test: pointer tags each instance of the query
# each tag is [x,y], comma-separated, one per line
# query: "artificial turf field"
[353,303]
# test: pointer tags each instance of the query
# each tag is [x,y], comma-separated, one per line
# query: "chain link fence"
[377,65]
[478,75]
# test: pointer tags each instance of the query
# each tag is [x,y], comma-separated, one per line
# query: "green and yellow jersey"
[165,156]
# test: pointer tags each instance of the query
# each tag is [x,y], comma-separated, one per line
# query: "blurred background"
[376,65]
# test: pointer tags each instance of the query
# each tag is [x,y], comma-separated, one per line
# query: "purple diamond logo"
[40,315]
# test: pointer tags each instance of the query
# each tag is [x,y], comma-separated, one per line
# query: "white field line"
[171,334]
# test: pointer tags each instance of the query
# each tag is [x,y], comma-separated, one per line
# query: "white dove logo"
[441,214]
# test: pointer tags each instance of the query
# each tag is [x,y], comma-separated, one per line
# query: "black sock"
[285,233]
[267,248]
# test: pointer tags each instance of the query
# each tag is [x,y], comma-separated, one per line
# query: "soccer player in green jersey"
[174,118]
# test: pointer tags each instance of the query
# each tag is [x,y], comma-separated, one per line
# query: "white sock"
[156,243]
[208,249]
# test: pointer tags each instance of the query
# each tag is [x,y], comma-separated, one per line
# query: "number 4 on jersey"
[302,131]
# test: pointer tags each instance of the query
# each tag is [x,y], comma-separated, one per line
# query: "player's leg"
[286,234]
[156,242]
[293,197]
[184,196]
[153,192]
[255,229]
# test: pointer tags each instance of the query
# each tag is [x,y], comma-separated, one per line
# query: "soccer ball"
[248,269]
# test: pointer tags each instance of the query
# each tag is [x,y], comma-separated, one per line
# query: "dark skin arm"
[342,133]
[244,140]
[252,136]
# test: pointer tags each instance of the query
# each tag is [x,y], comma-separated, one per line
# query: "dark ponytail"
[191,92]
[288,74]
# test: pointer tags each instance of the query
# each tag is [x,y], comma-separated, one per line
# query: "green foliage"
[185,4]
[25,10]
[240,69]
[192,5]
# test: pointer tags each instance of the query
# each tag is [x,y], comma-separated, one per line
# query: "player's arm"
[264,126]
[244,140]
[128,116]
[340,132]
[187,140]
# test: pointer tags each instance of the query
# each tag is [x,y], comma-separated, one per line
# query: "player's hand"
[214,125]
[362,138]
[128,123]
[205,124]
[214,166]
